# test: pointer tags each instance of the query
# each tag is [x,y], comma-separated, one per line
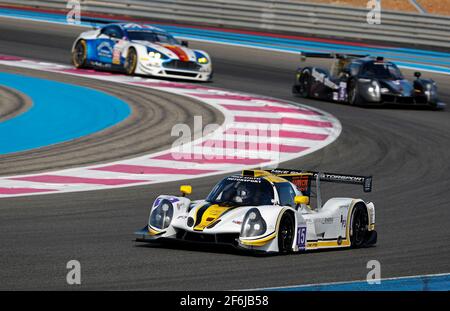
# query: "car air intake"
[177,64]
[181,73]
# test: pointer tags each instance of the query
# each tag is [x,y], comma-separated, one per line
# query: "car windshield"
[151,37]
[239,191]
[382,70]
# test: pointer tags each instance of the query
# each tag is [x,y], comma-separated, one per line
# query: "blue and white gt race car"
[140,49]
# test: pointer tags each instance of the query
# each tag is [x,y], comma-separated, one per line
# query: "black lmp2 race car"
[364,80]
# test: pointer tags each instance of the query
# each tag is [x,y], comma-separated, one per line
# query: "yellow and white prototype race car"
[266,211]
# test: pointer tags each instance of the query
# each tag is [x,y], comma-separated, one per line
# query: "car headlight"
[431,91]
[155,55]
[428,90]
[161,215]
[202,60]
[253,225]
[431,88]
[374,88]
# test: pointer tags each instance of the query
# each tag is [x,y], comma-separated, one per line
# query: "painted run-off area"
[58,112]
[437,282]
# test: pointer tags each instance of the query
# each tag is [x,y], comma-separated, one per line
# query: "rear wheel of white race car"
[360,226]
[286,233]
[79,54]
[131,62]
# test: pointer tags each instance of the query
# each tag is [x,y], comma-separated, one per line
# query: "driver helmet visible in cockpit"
[242,193]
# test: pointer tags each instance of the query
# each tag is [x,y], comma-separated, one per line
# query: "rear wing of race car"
[304,55]
[302,179]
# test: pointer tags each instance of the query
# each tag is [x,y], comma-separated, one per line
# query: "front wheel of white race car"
[286,233]
[360,227]
[131,62]
[79,54]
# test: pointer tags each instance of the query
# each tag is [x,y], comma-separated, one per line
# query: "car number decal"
[301,238]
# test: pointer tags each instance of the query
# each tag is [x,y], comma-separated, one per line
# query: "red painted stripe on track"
[10,58]
[172,85]
[234,97]
[12,191]
[57,179]
[290,121]
[281,133]
[87,72]
[269,108]
[139,169]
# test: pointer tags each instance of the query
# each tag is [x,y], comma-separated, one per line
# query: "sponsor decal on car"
[302,182]
[245,179]
[343,221]
[323,79]
[105,49]
[116,57]
[100,65]
[117,52]
[327,221]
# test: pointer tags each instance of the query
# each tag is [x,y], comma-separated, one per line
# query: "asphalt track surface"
[407,151]
[13,104]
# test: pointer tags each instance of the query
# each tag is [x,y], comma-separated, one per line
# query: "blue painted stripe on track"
[60,112]
[415,283]
[409,57]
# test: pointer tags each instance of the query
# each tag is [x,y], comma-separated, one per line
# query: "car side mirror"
[417,74]
[185,189]
[185,43]
[301,199]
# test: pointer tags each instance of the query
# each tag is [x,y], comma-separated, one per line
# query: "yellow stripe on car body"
[211,214]
[258,242]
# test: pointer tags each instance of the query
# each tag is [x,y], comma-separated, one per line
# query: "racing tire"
[210,79]
[359,227]
[354,98]
[304,85]
[79,54]
[286,233]
[131,62]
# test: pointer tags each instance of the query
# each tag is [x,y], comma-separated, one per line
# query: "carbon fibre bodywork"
[364,80]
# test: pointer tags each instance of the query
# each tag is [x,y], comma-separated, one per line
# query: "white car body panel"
[327,227]
[152,66]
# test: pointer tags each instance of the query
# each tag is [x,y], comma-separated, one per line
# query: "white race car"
[140,49]
[266,211]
